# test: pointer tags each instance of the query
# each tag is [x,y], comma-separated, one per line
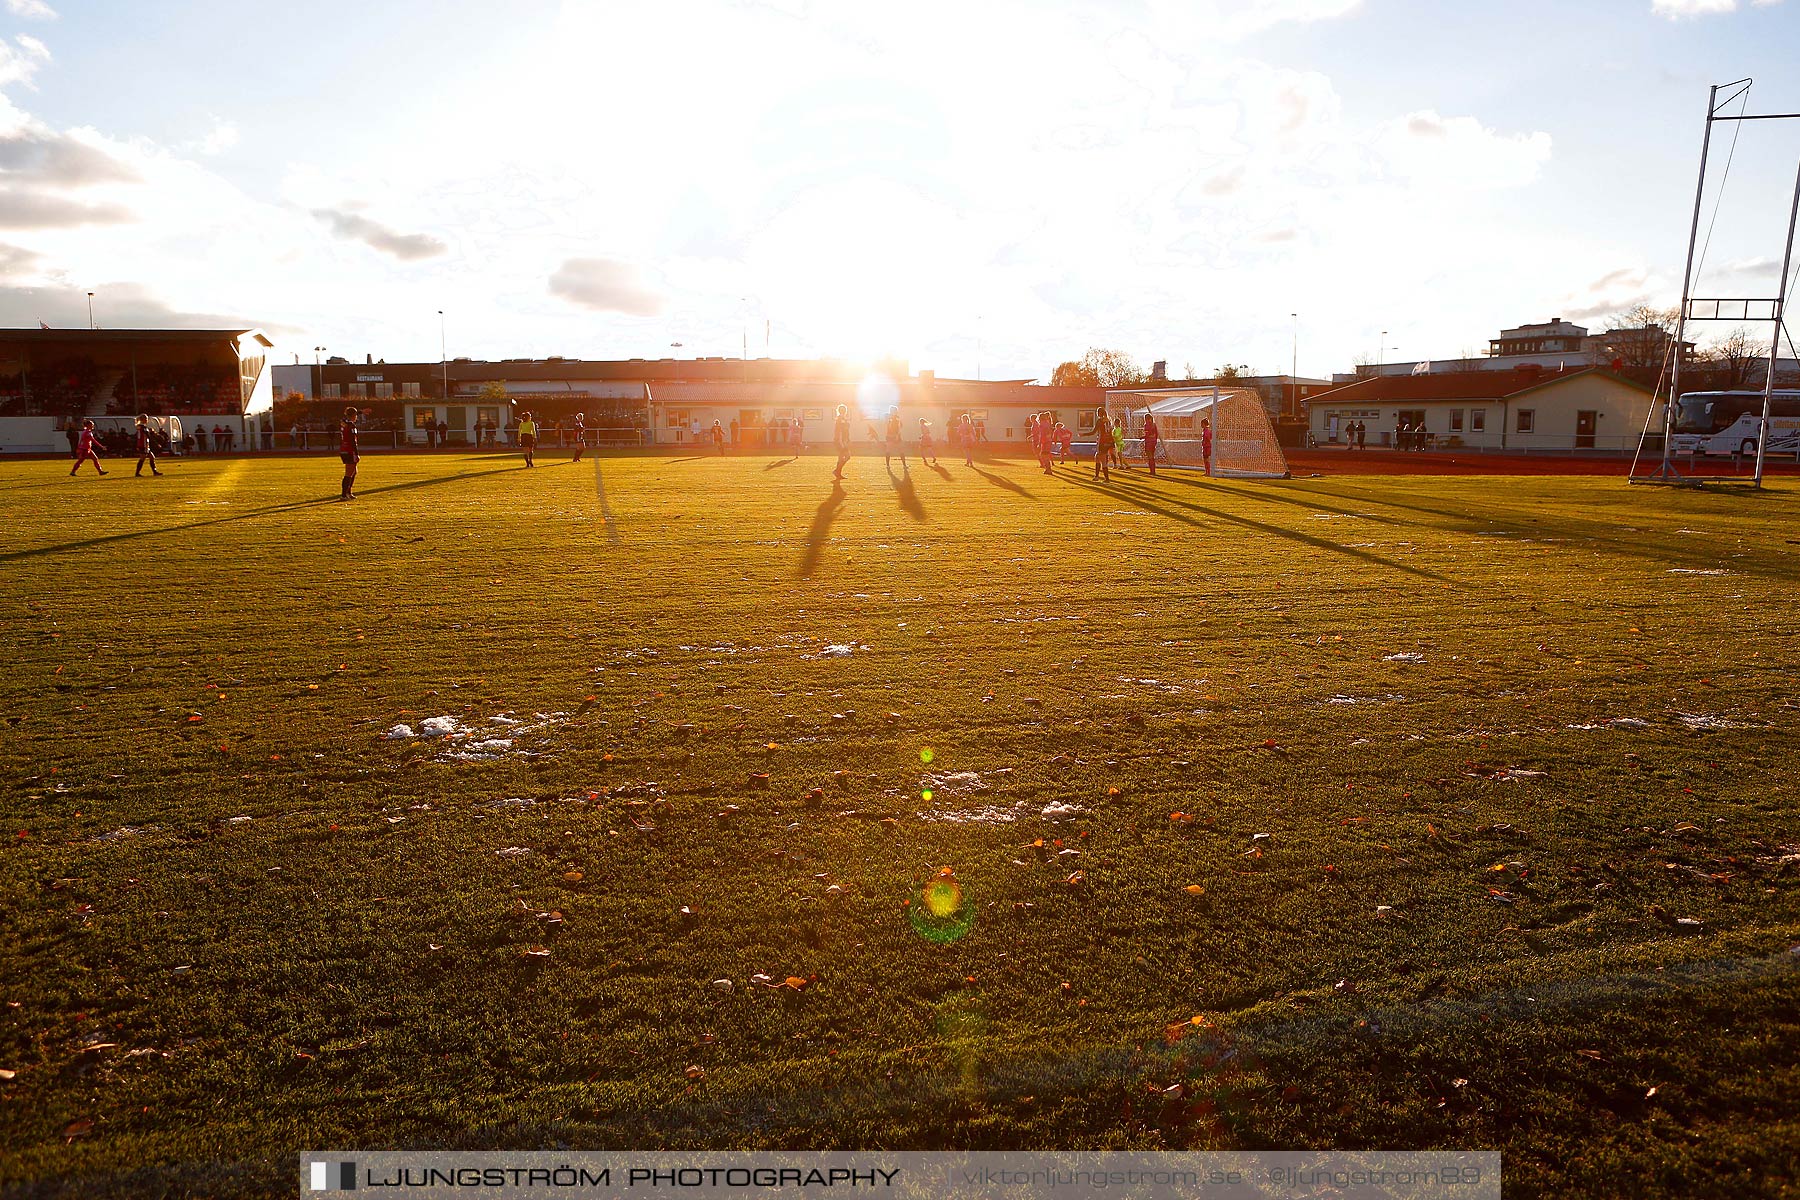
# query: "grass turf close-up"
[958,807]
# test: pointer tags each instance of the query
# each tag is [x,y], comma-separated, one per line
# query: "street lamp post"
[91,324]
[444,355]
[1294,370]
[1381,352]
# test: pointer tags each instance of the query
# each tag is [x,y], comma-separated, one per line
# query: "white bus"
[1727,423]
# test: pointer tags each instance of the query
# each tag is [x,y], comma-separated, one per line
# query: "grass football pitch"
[956,808]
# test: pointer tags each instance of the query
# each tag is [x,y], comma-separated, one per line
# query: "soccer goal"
[1243,438]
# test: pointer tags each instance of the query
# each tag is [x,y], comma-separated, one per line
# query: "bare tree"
[1733,357]
[1099,368]
[1640,336]
[1073,374]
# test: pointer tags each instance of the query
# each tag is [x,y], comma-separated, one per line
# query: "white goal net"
[1243,438]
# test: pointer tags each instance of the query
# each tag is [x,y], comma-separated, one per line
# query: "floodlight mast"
[1667,472]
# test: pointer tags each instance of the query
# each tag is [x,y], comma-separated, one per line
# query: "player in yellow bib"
[528,438]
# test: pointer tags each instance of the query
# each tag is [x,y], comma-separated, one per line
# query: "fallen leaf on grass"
[535,952]
[1194,889]
[571,876]
[696,1072]
[78,1128]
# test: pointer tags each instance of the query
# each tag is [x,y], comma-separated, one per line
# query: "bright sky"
[989,185]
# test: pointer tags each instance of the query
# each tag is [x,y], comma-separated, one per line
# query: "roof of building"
[1458,385]
[128,335]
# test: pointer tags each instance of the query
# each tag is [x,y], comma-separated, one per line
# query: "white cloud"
[221,137]
[1461,152]
[19,64]
[407,247]
[27,208]
[605,285]
[31,10]
[1675,10]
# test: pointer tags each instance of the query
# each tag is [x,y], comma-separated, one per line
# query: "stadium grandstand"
[51,380]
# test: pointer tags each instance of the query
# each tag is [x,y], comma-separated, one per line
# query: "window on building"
[424,418]
[1456,419]
[410,391]
[358,390]
[331,391]
[384,391]
[1478,420]
[1527,418]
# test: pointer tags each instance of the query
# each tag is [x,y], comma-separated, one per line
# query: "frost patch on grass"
[1159,685]
[1404,656]
[837,650]
[512,852]
[480,751]
[1698,571]
[1056,810]
[120,834]
[959,781]
[478,741]
[988,814]
[1706,721]
[1612,723]
[1389,698]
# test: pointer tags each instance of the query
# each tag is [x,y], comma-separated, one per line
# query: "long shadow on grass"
[907,494]
[267,510]
[941,470]
[1000,481]
[1603,533]
[781,462]
[1137,493]
[606,512]
[818,535]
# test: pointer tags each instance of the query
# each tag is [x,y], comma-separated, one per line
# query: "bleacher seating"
[197,390]
[63,389]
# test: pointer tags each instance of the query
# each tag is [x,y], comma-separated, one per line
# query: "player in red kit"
[146,447]
[86,447]
[1152,436]
[927,449]
[348,452]
[840,437]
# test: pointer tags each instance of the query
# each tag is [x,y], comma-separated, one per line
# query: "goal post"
[1244,445]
